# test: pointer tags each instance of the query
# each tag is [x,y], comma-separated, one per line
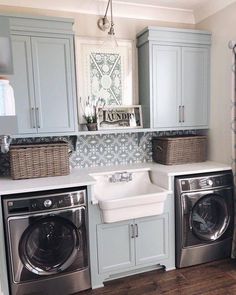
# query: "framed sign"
[119,117]
[104,73]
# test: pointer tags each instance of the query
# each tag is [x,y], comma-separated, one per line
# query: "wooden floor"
[217,278]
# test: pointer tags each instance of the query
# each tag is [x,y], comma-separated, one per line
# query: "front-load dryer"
[204,208]
[47,242]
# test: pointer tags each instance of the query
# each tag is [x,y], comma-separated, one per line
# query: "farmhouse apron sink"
[128,194]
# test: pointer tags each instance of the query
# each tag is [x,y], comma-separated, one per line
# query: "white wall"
[223,28]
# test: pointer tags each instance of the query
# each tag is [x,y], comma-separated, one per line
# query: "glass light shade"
[110,41]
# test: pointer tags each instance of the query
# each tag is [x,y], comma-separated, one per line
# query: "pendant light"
[104,24]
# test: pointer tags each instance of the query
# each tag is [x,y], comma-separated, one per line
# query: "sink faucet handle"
[115,177]
[126,176]
[120,177]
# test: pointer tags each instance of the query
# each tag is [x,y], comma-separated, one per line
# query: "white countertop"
[202,167]
[77,177]
[83,177]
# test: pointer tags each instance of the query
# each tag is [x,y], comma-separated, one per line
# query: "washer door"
[49,245]
[209,218]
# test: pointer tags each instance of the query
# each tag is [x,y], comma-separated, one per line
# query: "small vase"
[92,126]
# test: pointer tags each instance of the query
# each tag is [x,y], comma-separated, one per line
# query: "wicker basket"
[39,160]
[179,150]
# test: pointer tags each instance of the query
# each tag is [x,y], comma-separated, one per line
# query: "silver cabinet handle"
[136,230]
[183,120]
[132,231]
[33,117]
[37,117]
[180,115]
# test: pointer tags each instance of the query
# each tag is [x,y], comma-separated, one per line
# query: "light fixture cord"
[111,32]
[107,8]
[111,11]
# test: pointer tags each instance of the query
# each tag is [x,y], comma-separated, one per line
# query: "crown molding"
[127,9]
[210,8]
[121,9]
[153,12]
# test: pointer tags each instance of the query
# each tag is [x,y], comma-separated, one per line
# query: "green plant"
[90,110]
[90,113]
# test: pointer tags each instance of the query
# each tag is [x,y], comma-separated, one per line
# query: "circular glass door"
[210,217]
[49,246]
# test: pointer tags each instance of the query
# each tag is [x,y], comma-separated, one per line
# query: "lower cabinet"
[115,246]
[131,246]
[151,242]
[123,245]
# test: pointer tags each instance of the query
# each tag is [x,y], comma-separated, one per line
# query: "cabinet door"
[166,85]
[115,247]
[53,81]
[22,83]
[195,81]
[151,240]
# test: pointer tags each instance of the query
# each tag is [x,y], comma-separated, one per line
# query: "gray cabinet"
[115,246]
[22,83]
[166,86]
[195,86]
[151,240]
[44,79]
[174,77]
[131,246]
[122,245]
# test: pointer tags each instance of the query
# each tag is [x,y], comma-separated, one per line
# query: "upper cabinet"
[44,75]
[174,67]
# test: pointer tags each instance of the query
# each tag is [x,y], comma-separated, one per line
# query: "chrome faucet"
[120,177]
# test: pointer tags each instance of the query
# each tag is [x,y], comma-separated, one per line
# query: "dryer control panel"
[205,181]
[43,202]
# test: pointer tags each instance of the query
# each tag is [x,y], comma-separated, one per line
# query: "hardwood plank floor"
[215,278]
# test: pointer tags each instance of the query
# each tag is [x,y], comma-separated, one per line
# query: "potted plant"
[90,115]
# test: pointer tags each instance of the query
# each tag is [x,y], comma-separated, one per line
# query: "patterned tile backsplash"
[101,150]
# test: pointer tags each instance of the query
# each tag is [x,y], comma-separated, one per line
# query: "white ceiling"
[183,11]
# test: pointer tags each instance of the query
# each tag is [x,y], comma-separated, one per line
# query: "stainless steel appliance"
[204,217]
[46,238]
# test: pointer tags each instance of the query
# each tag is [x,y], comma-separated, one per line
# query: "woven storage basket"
[179,150]
[39,160]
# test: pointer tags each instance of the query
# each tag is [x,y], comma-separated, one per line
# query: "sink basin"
[131,196]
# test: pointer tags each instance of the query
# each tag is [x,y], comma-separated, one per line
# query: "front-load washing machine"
[47,244]
[204,208]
